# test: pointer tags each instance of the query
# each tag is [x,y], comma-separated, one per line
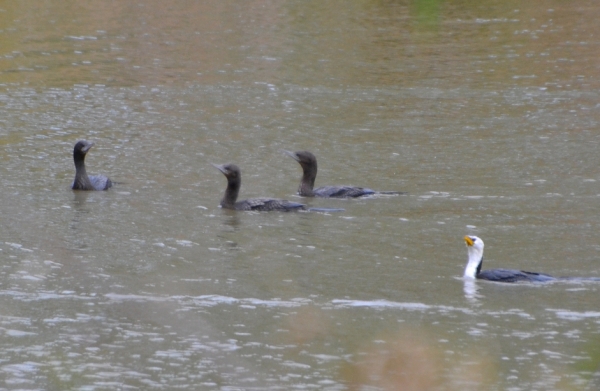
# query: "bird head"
[475,253]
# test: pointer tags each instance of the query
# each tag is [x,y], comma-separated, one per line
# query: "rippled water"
[486,114]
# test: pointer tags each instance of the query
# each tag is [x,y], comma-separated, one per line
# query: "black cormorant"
[234,182]
[82,181]
[308,161]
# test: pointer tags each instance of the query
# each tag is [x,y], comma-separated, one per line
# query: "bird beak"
[87,147]
[468,241]
[291,154]
[219,167]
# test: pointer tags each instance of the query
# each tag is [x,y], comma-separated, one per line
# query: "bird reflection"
[230,219]
[80,199]
[78,240]
[470,288]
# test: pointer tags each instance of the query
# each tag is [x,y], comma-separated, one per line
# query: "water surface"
[485,113]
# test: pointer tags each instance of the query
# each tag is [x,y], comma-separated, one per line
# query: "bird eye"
[474,239]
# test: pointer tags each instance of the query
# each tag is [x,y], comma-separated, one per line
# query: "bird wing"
[342,191]
[512,275]
[268,204]
[100,182]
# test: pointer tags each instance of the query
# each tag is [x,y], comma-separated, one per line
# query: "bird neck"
[474,264]
[231,193]
[80,165]
[82,181]
[308,181]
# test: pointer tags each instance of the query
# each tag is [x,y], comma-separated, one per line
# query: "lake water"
[486,113]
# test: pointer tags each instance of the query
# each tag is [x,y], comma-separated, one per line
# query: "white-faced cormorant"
[234,182]
[308,162]
[473,269]
[82,181]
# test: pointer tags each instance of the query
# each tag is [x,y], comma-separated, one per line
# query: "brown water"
[485,112]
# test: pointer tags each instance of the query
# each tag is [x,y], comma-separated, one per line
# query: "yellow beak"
[468,241]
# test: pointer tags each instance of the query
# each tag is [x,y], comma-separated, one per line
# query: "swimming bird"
[473,269]
[308,162]
[234,182]
[82,181]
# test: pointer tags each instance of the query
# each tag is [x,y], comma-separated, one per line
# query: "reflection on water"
[484,113]
[471,289]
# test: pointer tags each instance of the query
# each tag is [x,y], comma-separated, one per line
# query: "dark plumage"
[234,182]
[308,162]
[513,275]
[82,181]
